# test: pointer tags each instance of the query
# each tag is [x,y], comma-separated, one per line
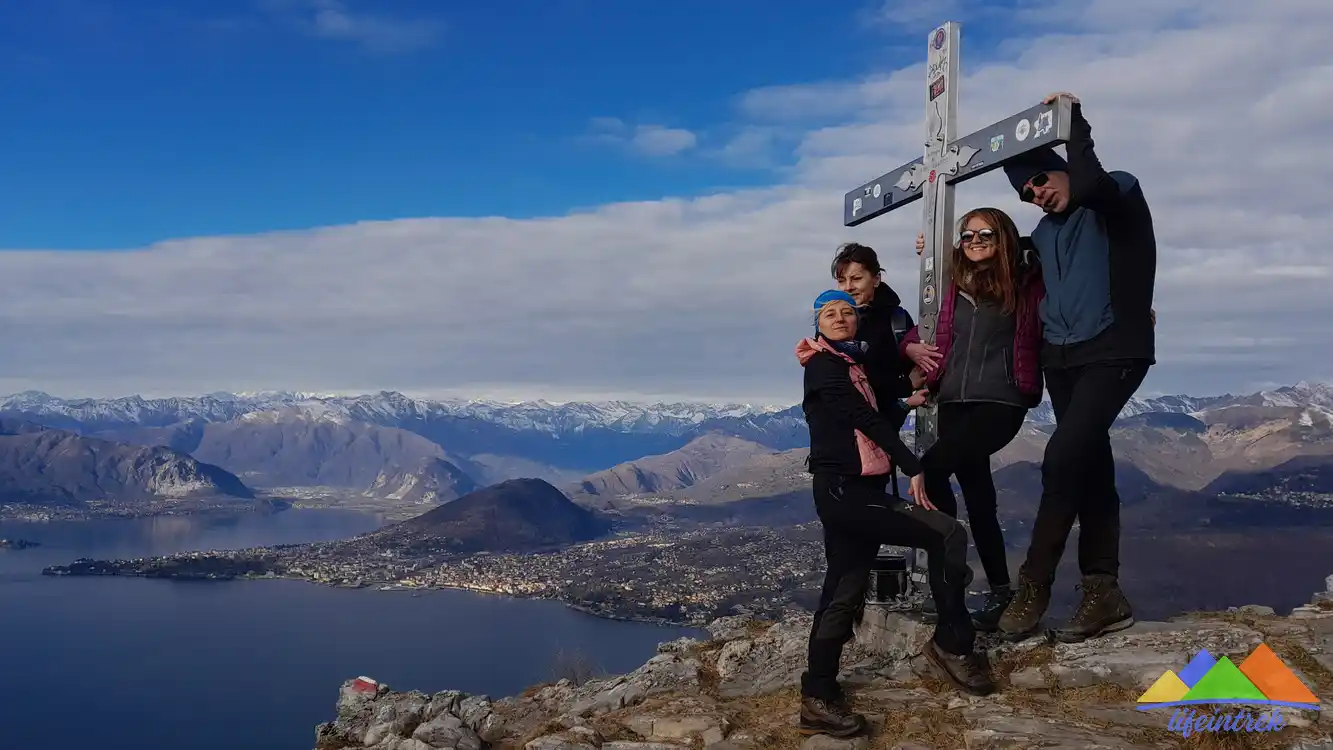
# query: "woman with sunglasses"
[984,371]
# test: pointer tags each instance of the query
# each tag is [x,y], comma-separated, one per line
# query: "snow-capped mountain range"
[380,408]
[388,407]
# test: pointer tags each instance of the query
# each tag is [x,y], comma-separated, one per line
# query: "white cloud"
[646,139]
[1224,120]
[332,19]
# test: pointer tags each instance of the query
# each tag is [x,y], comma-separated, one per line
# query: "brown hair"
[997,280]
[854,252]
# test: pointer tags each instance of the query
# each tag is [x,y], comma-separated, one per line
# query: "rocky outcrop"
[736,690]
[431,480]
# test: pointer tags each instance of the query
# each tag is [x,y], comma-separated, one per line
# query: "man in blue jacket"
[1099,259]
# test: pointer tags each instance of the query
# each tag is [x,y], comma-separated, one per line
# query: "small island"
[17,544]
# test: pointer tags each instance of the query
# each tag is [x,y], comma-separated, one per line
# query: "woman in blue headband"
[853,449]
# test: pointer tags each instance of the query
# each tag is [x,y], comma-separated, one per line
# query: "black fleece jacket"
[834,410]
[885,368]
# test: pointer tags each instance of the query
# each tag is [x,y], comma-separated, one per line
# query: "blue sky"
[131,122]
[614,199]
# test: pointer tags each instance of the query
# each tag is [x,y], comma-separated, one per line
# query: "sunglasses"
[983,236]
[1037,180]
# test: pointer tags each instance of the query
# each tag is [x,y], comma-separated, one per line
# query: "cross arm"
[973,155]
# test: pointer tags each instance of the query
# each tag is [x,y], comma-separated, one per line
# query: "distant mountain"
[43,466]
[684,467]
[517,515]
[580,436]
[303,439]
[310,446]
[431,480]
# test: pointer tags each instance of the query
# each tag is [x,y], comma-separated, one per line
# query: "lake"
[167,665]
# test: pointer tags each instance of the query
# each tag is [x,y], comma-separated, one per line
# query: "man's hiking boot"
[1104,610]
[832,717]
[967,672]
[1023,615]
[987,619]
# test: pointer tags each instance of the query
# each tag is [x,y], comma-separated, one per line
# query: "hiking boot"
[1104,610]
[831,717]
[987,619]
[1023,615]
[967,672]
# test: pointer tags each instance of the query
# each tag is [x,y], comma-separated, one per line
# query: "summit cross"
[949,160]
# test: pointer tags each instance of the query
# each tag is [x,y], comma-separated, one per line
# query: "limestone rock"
[773,660]
[556,742]
[708,727]
[447,731]
[733,627]
[679,646]
[660,674]
[825,742]
[671,702]
[1133,658]
[892,635]
[730,658]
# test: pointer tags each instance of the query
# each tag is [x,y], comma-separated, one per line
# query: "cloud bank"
[1221,108]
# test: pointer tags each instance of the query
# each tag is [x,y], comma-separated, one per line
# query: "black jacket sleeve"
[1089,184]
[830,377]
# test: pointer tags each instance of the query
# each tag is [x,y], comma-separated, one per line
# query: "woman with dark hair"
[984,371]
[853,449]
[882,321]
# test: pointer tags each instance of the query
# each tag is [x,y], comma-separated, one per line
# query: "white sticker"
[930,263]
[1045,121]
[876,191]
[856,206]
[1021,132]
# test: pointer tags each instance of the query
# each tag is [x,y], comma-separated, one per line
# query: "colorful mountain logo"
[1261,679]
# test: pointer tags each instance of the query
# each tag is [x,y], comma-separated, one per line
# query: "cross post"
[947,161]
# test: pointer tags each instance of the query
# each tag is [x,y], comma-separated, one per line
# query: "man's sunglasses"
[984,236]
[1037,180]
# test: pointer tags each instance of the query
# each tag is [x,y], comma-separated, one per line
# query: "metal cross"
[947,161]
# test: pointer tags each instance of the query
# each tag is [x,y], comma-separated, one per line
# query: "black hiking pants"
[858,516]
[1078,470]
[969,434]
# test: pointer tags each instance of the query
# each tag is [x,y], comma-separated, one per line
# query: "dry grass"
[1042,656]
[756,628]
[1220,741]
[929,725]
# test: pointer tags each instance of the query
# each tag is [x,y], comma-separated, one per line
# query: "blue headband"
[833,295]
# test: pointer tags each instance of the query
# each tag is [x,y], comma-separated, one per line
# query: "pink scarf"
[874,461]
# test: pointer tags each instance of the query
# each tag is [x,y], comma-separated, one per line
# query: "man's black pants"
[858,516]
[970,433]
[1078,470]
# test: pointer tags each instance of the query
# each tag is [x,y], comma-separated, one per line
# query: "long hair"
[996,279]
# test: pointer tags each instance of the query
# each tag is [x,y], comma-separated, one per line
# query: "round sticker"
[876,191]
[939,38]
[928,296]
[1021,132]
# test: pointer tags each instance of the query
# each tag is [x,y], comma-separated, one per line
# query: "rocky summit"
[737,690]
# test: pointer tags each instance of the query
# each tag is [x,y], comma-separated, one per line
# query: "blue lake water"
[170,665]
